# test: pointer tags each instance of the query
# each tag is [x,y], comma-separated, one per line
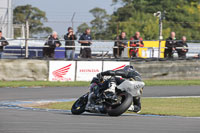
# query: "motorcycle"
[105,104]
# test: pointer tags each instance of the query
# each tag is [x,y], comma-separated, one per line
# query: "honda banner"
[62,70]
[114,65]
[86,70]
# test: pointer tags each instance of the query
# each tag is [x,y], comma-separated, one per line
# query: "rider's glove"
[100,77]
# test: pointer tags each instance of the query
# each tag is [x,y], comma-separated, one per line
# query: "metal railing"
[100,48]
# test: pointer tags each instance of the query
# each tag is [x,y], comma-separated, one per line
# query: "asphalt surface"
[26,121]
[75,92]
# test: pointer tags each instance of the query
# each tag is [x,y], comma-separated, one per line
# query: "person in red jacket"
[135,42]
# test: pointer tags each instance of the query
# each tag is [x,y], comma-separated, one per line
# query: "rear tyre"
[79,106]
[126,100]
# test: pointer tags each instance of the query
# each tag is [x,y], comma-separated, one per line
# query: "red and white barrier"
[114,65]
[62,70]
[81,70]
[86,70]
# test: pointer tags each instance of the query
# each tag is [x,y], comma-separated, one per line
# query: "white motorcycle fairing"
[132,87]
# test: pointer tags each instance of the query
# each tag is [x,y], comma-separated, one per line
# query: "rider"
[128,72]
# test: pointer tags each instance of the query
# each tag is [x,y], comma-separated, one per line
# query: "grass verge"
[42,84]
[188,107]
[79,83]
[171,82]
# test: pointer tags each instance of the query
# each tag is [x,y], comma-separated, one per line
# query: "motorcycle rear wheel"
[120,109]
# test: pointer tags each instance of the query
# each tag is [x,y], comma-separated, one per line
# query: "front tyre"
[79,106]
[126,100]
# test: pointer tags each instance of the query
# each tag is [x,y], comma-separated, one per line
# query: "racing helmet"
[129,68]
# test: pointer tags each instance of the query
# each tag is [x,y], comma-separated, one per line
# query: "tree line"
[182,17]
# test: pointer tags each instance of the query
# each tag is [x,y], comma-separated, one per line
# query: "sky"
[59,12]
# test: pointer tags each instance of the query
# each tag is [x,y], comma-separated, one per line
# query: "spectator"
[85,40]
[3,43]
[69,41]
[170,44]
[121,43]
[136,41]
[184,48]
[52,43]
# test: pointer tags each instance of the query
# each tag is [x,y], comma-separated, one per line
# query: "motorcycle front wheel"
[126,100]
[79,106]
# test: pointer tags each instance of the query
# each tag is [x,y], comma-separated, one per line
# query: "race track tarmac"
[24,93]
[27,121]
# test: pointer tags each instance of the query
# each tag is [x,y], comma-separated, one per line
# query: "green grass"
[188,107]
[41,83]
[58,105]
[171,82]
[79,83]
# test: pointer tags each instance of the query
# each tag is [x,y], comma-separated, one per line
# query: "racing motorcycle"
[105,104]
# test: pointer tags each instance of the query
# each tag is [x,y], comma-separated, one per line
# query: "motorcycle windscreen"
[132,87]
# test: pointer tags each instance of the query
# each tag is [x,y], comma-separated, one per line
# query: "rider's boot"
[90,104]
[136,106]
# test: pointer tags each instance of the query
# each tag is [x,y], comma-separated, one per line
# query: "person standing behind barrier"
[69,41]
[135,41]
[184,48]
[3,43]
[120,43]
[170,44]
[52,43]
[85,40]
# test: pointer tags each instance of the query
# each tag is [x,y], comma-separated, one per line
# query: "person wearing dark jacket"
[69,41]
[85,40]
[50,45]
[182,48]
[3,43]
[171,45]
[136,41]
[120,43]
